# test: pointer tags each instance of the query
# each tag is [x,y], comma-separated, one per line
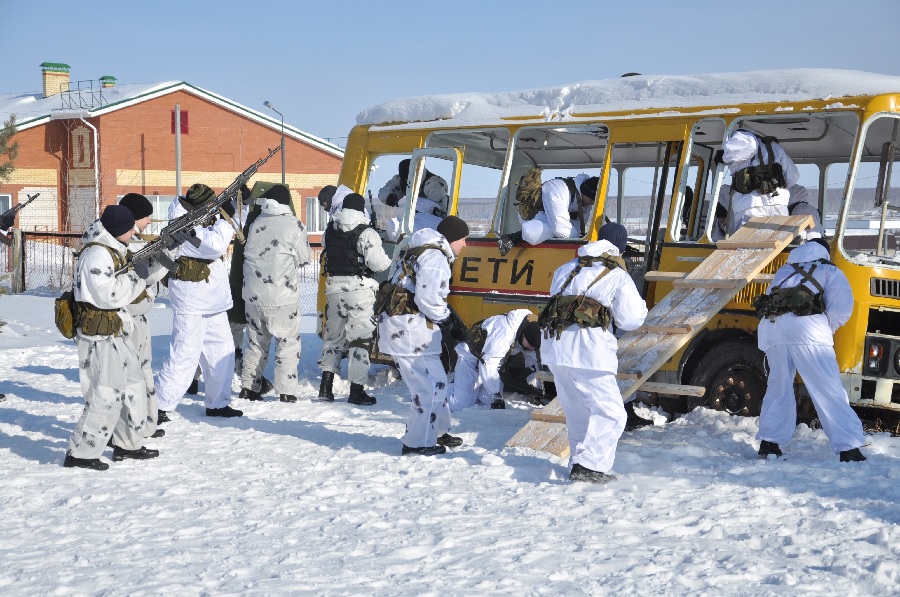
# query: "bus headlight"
[874,357]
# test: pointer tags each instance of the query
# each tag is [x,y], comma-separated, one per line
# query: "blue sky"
[320,63]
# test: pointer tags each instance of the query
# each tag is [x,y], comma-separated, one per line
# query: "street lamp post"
[269,105]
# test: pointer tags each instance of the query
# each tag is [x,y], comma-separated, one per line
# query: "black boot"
[325,392]
[423,451]
[634,420]
[158,433]
[141,453]
[194,387]
[581,473]
[508,241]
[265,386]
[449,441]
[225,411]
[91,463]
[498,403]
[287,398]
[162,417]
[766,448]
[853,455]
[358,396]
[248,394]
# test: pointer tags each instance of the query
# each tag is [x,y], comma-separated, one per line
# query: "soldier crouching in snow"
[277,247]
[112,381]
[588,294]
[410,330]
[352,253]
[479,378]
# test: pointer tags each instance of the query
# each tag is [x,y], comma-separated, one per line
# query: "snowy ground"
[314,499]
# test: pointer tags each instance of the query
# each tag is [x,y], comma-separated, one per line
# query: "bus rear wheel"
[734,377]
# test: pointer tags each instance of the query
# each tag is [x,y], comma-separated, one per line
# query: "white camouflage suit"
[477,380]
[431,205]
[805,344]
[583,361]
[555,221]
[414,341]
[141,338]
[200,330]
[739,152]
[112,382]
[276,249]
[349,302]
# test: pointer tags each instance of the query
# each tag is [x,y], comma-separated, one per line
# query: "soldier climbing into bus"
[761,174]
[432,203]
[808,300]
[558,208]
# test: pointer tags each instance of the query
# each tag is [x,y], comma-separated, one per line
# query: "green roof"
[55,66]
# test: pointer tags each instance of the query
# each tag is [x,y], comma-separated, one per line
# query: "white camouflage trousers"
[819,369]
[140,340]
[348,327]
[264,324]
[595,415]
[429,412]
[115,397]
[203,339]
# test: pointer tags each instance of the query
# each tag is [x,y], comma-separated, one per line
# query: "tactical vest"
[192,269]
[799,299]
[767,177]
[392,298]
[341,257]
[93,320]
[562,311]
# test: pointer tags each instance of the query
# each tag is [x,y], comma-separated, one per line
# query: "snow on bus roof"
[632,93]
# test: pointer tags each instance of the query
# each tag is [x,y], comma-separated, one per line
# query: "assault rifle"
[181,229]
[10,214]
[373,219]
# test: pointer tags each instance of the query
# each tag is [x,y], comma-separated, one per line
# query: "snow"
[632,93]
[313,498]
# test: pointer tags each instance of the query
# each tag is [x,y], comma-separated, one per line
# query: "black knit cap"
[117,219]
[139,205]
[589,187]
[279,193]
[199,194]
[615,234]
[532,332]
[823,242]
[354,201]
[453,228]
[326,195]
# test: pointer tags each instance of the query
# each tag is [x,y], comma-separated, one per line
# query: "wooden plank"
[710,283]
[671,389]
[681,328]
[738,244]
[672,276]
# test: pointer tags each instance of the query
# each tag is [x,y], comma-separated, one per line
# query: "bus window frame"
[417,166]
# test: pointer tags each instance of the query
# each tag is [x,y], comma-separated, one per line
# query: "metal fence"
[46,261]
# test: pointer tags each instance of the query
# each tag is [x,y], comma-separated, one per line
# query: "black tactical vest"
[341,255]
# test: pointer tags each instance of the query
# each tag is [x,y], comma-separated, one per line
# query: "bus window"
[835,182]
[560,152]
[695,190]
[484,154]
[872,223]
[382,169]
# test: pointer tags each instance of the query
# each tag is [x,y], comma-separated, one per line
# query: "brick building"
[82,146]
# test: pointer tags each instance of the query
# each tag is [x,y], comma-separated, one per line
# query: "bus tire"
[734,377]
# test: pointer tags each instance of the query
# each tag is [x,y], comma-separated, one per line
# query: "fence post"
[17,275]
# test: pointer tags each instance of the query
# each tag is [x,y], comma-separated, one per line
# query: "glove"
[182,236]
[392,200]
[7,221]
[454,329]
[245,193]
[142,269]
[228,207]
[497,401]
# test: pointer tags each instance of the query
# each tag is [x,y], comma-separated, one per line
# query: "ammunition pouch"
[141,297]
[191,269]
[799,299]
[394,300]
[563,311]
[98,322]
[766,178]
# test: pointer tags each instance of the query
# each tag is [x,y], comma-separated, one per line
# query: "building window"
[184,122]
[316,217]
[5,203]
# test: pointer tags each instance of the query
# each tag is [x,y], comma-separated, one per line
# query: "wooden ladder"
[695,299]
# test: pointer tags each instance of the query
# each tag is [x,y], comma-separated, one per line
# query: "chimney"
[56,77]
[107,81]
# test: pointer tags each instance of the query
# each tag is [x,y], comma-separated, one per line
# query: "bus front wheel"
[734,377]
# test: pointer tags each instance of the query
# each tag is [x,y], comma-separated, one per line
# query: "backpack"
[66,312]
[799,300]
[529,200]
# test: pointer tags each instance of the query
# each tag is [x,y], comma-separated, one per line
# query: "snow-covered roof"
[34,109]
[639,92]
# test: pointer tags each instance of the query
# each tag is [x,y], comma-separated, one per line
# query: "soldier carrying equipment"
[69,314]
[392,298]
[562,311]
[767,177]
[799,299]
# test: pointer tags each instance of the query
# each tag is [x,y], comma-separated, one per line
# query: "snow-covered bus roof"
[640,92]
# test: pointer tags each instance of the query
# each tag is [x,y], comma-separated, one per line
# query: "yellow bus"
[652,141]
